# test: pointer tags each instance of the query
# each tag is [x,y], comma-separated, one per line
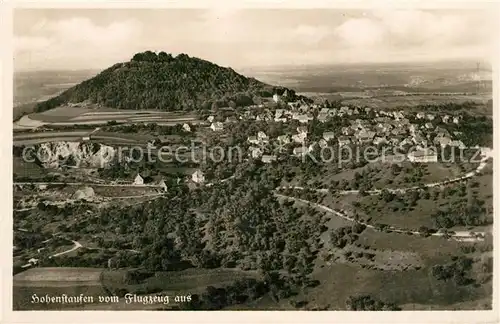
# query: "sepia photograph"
[252,158]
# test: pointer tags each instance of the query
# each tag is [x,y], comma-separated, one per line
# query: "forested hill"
[161,81]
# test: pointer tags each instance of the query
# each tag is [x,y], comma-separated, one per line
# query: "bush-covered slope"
[161,81]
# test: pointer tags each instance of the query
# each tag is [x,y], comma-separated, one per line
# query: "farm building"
[198,176]
[139,181]
[423,156]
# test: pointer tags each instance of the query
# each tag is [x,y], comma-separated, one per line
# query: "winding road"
[482,164]
[462,236]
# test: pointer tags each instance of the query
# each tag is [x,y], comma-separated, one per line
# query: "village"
[425,132]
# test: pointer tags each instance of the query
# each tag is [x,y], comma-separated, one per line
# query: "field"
[403,102]
[99,282]
[54,282]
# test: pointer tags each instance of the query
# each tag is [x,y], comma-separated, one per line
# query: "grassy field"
[54,282]
[90,281]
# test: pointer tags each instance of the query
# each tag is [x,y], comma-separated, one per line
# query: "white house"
[253,140]
[255,152]
[328,136]
[198,176]
[343,140]
[420,115]
[299,138]
[217,126]
[268,158]
[458,144]
[210,119]
[33,261]
[186,127]
[302,130]
[284,139]
[163,185]
[261,136]
[303,119]
[139,181]
[456,120]
[300,151]
[276,97]
[423,156]
[322,143]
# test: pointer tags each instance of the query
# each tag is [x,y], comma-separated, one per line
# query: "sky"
[47,39]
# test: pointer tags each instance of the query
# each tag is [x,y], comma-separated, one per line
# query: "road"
[95,184]
[76,246]
[459,236]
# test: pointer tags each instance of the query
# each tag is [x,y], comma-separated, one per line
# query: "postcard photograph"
[292,159]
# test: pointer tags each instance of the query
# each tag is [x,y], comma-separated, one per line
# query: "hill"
[161,81]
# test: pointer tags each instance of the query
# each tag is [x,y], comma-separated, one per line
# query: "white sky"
[86,38]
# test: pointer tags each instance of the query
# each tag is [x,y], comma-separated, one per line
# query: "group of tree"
[161,81]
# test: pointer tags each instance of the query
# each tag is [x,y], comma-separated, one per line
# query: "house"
[379,140]
[328,136]
[198,176]
[255,152]
[344,140]
[299,138]
[420,115]
[457,143]
[347,131]
[419,139]
[303,119]
[324,111]
[443,141]
[86,138]
[33,261]
[365,135]
[456,120]
[163,185]
[284,139]
[278,113]
[332,112]
[322,117]
[441,132]
[300,151]
[398,115]
[429,126]
[430,117]
[186,127]
[253,140]
[268,158]
[405,142]
[423,156]
[302,130]
[210,119]
[231,119]
[217,126]
[322,143]
[276,98]
[262,137]
[138,181]
[445,118]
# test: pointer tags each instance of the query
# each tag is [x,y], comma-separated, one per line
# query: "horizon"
[66,39]
[441,64]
